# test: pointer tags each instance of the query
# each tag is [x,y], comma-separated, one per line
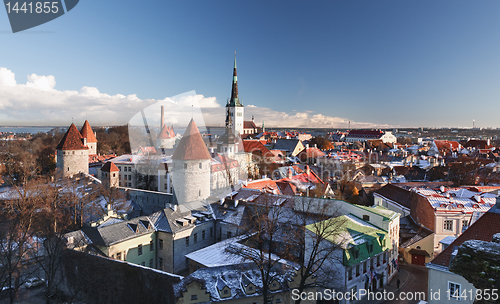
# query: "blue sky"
[321,63]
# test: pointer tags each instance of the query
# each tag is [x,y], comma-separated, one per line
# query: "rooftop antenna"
[473,123]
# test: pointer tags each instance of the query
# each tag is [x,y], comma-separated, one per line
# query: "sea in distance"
[32,130]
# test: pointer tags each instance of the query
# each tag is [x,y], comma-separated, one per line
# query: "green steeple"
[235,100]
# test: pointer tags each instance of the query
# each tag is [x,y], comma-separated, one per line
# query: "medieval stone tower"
[191,167]
[89,138]
[72,153]
[166,137]
[236,110]
[110,174]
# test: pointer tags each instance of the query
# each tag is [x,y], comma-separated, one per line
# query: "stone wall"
[71,162]
[149,201]
[94,279]
[190,181]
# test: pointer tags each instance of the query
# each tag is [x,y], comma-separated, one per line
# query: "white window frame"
[446,223]
[451,294]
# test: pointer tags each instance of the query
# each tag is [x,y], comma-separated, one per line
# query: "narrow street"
[413,280]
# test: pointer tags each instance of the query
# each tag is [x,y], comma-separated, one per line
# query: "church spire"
[229,121]
[235,100]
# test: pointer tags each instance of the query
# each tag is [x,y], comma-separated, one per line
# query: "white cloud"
[38,102]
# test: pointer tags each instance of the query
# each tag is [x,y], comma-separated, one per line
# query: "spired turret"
[72,153]
[89,137]
[191,167]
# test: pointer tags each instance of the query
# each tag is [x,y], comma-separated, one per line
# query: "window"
[250,287]
[160,244]
[211,232]
[151,245]
[139,250]
[165,186]
[364,267]
[349,273]
[151,263]
[454,290]
[229,234]
[143,263]
[465,223]
[201,167]
[119,256]
[187,241]
[355,253]
[194,297]
[378,260]
[196,238]
[370,248]
[160,263]
[203,235]
[357,270]
[366,218]
[448,225]
[226,291]
[278,301]
[185,166]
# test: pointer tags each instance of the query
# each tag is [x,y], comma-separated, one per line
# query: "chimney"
[252,118]
[162,122]
[308,170]
[84,141]
[236,203]
[289,173]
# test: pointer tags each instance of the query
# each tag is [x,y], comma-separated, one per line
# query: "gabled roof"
[311,153]
[254,146]
[396,194]
[249,124]
[109,167]
[72,140]
[87,133]
[286,144]
[191,146]
[483,229]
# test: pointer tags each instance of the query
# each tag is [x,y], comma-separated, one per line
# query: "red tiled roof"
[477,143]
[72,140]
[311,153]
[255,145]
[166,133]
[483,229]
[249,125]
[109,167]
[267,185]
[87,133]
[94,158]
[191,146]
[447,145]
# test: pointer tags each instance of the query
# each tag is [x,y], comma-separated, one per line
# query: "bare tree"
[313,225]
[265,236]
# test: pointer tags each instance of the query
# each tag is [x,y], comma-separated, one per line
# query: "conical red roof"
[88,133]
[191,146]
[166,133]
[72,140]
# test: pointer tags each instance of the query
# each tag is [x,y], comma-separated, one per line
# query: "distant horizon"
[377,64]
